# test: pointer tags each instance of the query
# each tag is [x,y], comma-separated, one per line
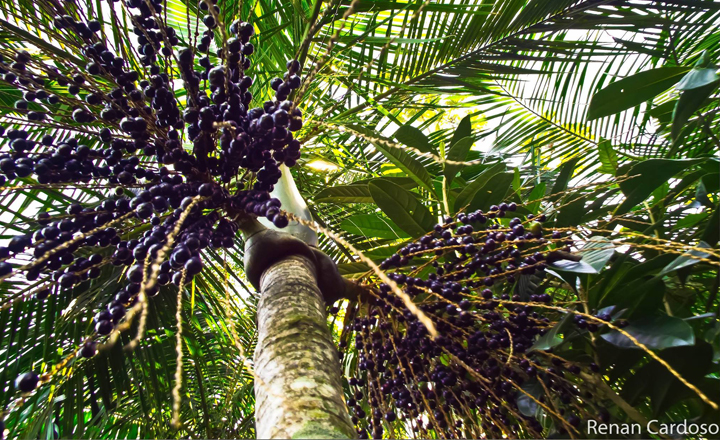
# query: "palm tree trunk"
[298,392]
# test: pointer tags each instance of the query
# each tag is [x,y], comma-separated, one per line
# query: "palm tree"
[600,116]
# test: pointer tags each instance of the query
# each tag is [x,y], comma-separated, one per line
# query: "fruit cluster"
[175,164]
[469,281]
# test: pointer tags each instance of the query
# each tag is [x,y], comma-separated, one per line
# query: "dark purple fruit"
[104,327]
[27,382]
[88,350]
[5,269]
[193,266]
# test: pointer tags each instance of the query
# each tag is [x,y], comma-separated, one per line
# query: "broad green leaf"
[402,207]
[463,130]
[692,363]
[458,152]
[382,252]
[700,317]
[400,158]
[698,77]
[690,101]
[656,332]
[468,193]
[516,183]
[372,226]
[647,294]
[405,182]
[608,158]
[701,194]
[711,182]
[409,165]
[344,194]
[525,286]
[687,259]
[597,252]
[572,210]
[633,90]
[526,405]
[712,232]
[712,337]
[691,220]
[663,112]
[568,278]
[535,198]
[414,138]
[574,266]
[561,182]
[493,192]
[551,338]
[612,311]
[643,177]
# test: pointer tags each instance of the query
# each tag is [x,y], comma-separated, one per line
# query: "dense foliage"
[559,241]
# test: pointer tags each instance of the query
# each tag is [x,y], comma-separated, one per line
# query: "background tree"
[599,116]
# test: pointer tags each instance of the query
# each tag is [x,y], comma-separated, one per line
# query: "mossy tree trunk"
[298,390]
